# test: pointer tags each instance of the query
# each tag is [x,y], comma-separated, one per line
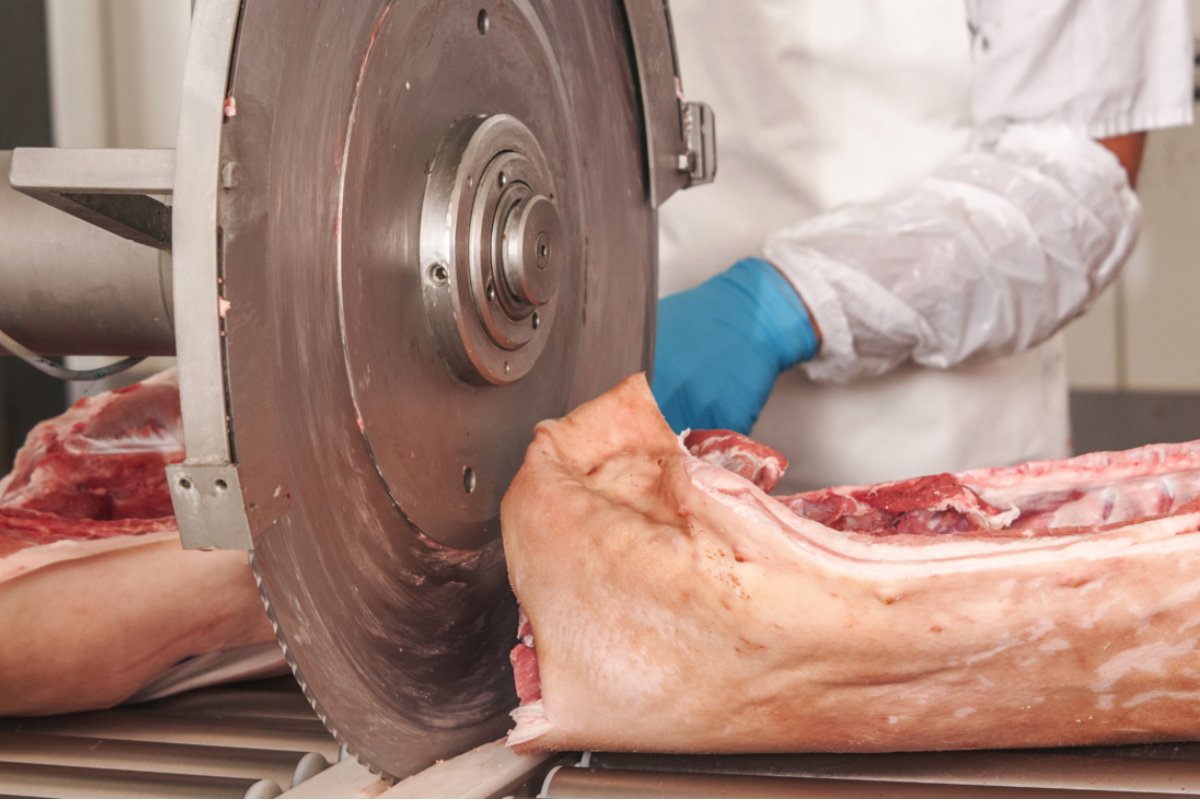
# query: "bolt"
[469,479]
[482,23]
[537,321]
[438,273]
[491,292]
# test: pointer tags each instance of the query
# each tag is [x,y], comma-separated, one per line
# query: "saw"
[392,237]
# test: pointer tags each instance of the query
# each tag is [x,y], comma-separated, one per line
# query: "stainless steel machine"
[392,236]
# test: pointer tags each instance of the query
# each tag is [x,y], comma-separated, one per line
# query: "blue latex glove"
[722,344]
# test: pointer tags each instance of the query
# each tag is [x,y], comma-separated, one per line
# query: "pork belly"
[670,604]
[98,600]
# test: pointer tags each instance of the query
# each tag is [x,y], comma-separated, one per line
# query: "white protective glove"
[991,254]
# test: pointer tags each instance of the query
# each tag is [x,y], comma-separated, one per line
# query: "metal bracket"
[700,134]
[680,136]
[209,516]
[209,506]
[117,190]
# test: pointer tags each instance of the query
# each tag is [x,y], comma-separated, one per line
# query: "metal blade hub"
[492,240]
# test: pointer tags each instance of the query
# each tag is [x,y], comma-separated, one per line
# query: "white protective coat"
[973,215]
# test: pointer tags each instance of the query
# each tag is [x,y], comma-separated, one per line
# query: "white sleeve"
[1103,68]
[990,255]
[1003,245]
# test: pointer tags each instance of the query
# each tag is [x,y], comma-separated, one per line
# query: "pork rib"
[98,600]
[672,605]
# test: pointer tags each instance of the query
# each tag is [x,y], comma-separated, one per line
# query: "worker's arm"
[722,344]
[1003,245]
[991,255]
[1128,150]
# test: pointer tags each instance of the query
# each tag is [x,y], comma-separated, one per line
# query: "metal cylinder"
[70,288]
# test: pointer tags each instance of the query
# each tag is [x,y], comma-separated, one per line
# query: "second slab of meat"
[670,604]
[99,603]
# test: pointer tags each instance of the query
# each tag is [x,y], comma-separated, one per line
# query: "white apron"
[821,103]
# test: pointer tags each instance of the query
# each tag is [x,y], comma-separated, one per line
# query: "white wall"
[1143,333]
[116,70]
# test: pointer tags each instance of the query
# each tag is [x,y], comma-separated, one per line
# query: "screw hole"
[543,250]
[469,479]
[507,368]
[482,22]
[221,485]
[491,292]
[503,179]
[439,274]
[537,321]
[185,483]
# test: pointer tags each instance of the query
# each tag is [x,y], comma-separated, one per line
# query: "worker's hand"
[722,344]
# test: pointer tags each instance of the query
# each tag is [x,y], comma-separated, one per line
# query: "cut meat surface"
[95,471]
[751,460]
[672,605]
[104,458]
[98,599]
[21,528]
[939,504]
[1095,491]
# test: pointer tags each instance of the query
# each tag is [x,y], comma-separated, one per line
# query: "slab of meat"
[672,605]
[98,600]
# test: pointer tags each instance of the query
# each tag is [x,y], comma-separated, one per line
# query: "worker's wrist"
[787,326]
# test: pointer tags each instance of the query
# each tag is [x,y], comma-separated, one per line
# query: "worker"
[914,197]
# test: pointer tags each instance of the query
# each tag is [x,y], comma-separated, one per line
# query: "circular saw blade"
[365,461]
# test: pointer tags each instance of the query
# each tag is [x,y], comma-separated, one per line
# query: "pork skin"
[671,605]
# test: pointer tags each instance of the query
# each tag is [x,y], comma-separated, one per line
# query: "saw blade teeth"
[304,688]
